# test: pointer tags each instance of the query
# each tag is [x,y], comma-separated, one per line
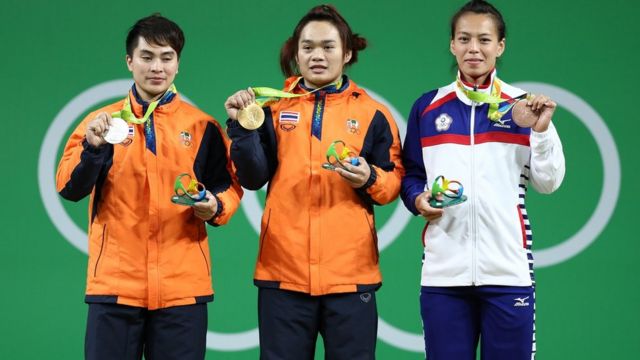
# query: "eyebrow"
[149,52]
[467,33]
[306,41]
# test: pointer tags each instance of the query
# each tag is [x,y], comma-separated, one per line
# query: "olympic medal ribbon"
[493,99]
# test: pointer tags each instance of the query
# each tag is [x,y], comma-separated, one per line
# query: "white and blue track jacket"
[487,239]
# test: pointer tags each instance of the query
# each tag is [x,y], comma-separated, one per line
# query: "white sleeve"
[547,160]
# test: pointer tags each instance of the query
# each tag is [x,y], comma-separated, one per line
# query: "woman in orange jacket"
[317,268]
[148,278]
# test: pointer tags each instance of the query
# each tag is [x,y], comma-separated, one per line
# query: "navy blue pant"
[289,323]
[455,319]
[120,332]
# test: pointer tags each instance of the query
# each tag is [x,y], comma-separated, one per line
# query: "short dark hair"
[157,30]
[480,7]
[350,41]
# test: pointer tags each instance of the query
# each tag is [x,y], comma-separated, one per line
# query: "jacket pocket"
[374,237]
[264,236]
[103,248]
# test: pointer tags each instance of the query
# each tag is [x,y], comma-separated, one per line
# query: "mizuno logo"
[521,301]
[502,124]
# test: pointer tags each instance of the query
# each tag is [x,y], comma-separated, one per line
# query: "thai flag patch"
[130,133]
[288,120]
[289,116]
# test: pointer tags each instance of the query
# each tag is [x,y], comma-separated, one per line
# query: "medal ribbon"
[493,99]
[127,114]
[267,94]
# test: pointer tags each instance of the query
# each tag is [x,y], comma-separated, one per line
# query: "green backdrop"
[584,54]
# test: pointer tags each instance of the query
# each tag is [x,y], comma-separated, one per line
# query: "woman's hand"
[355,175]
[206,209]
[536,112]
[426,210]
[239,101]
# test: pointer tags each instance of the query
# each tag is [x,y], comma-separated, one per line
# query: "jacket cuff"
[218,211]
[235,130]
[362,191]
[411,205]
[95,155]
[541,141]
[373,176]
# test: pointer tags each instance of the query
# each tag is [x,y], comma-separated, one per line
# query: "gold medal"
[251,117]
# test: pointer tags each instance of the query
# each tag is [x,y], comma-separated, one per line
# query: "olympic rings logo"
[389,232]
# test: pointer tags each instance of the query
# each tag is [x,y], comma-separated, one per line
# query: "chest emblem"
[186,138]
[353,126]
[443,122]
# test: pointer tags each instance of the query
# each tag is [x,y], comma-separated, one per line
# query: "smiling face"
[320,55]
[476,46]
[154,67]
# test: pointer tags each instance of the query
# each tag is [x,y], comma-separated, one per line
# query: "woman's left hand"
[356,176]
[537,111]
[206,209]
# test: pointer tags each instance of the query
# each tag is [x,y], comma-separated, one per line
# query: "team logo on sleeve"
[288,120]
[443,122]
[185,138]
[353,127]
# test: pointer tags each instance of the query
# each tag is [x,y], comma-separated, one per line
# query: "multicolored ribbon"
[265,95]
[127,114]
[493,99]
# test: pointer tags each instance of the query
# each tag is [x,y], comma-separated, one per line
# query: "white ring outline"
[388,333]
[58,215]
[610,182]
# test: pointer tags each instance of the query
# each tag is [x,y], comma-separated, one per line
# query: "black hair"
[480,7]
[157,30]
[350,41]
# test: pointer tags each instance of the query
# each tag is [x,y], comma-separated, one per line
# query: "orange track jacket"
[318,234]
[144,250]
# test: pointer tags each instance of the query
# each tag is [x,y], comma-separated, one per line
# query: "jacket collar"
[296,85]
[484,88]
[168,102]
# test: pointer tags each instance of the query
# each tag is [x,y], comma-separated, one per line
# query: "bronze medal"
[523,116]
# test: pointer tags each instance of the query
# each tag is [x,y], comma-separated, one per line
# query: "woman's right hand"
[426,210]
[97,129]
[239,101]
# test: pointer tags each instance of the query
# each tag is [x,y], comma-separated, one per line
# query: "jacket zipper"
[104,230]
[203,254]
[474,241]
[264,236]
[374,236]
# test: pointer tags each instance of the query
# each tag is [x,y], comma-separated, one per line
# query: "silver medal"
[118,131]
